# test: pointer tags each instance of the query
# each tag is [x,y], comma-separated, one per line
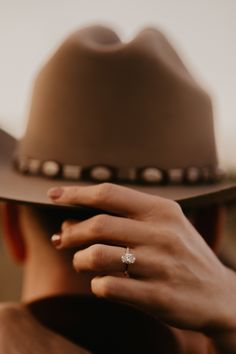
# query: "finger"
[131,291]
[107,259]
[68,223]
[109,197]
[106,229]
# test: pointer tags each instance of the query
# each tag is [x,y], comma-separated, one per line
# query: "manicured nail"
[56,240]
[55,192]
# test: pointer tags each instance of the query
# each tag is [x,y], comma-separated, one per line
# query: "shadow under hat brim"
[19,188]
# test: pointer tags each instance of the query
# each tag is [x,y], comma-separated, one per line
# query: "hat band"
[104,173]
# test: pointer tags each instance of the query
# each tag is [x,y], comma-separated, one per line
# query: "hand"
[21,333]
[176,276]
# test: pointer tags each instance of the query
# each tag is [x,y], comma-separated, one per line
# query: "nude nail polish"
[56,240]
[55,192]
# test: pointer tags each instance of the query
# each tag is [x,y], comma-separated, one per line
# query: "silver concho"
[127,173]
[34,166]
[72,172]
[175,175]
[22,165]
[50,168]
[219,174]
[193,174]
[101,173]
[152,175]
[206,174]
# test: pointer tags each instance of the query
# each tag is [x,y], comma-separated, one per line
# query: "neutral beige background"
[203,30]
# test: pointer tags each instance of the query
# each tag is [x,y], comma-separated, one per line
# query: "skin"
[29,245]
[28,242]
[176,276]
[46,272]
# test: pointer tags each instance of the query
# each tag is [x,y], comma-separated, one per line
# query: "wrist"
[224,323]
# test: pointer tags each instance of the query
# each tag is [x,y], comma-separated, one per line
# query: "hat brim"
[19,188]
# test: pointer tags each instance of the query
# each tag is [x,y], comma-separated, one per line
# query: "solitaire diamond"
[128,258]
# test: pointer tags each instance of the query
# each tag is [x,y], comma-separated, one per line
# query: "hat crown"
[100,101]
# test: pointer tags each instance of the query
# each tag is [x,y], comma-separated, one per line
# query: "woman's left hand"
[175,276]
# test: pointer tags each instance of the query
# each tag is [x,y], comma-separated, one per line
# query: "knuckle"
[156,201]
[96,257]
[98,224]
[168,241]
[71,194]
[174,208]
[67,234]
[103,192]
[172,240]
[106,287]
[165,270]
[165,299]
[76,261]
[153,208]
[65,225]
[170,210]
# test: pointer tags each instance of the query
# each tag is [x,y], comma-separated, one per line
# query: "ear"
[12,232]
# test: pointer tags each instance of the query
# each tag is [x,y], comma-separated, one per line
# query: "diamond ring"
[127,258]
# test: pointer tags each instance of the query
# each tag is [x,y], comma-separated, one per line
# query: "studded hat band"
[103,173]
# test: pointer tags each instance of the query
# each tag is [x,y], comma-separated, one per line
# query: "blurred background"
[203,32]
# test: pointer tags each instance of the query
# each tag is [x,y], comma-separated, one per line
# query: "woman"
[129,113]
[173,273]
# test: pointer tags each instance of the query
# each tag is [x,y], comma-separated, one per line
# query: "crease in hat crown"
[99,102]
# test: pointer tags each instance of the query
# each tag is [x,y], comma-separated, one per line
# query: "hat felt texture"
[104,110]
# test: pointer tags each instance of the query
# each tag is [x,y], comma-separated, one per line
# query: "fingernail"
[55,192]
[56,240]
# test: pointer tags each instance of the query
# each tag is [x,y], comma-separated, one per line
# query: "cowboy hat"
[107,111]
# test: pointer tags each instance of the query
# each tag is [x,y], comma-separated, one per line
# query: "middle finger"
[106,229]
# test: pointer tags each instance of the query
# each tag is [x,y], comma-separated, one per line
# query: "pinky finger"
[131,291]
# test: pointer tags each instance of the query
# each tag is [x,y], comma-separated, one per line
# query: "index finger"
[109,197]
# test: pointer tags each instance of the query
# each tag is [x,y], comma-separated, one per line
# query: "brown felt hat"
[108,111]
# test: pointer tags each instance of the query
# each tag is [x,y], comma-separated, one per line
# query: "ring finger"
[106,259]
